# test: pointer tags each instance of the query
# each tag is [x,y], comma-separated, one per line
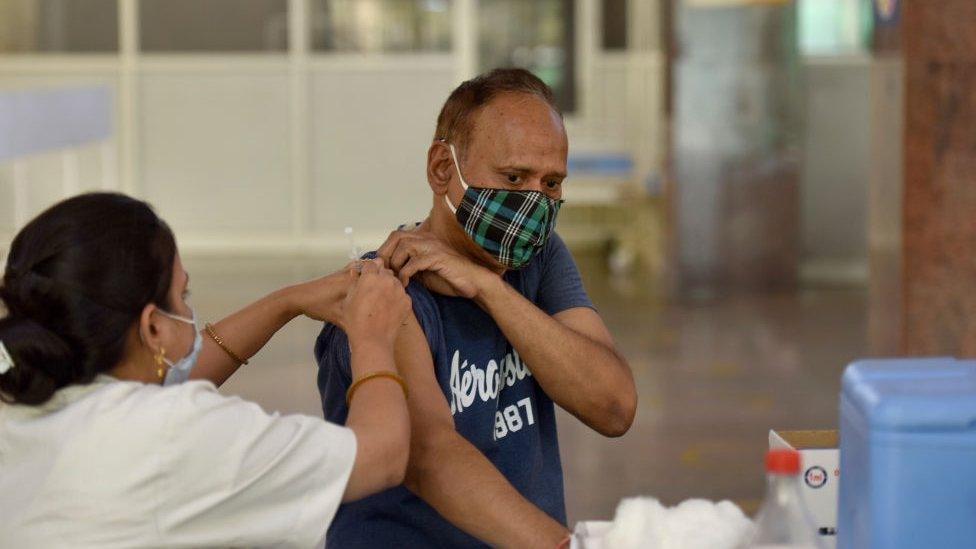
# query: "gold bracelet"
[375,375]
[220,343]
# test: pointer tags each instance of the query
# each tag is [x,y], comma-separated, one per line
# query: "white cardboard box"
[820,465]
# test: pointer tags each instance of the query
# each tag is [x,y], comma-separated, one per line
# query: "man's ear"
[440,167]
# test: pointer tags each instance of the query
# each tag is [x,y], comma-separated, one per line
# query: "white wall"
[369,144]
[278,153]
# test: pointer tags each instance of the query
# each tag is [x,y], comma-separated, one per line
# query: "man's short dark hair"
[455,120]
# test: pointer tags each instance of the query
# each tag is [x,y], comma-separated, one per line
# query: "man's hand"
[439,268]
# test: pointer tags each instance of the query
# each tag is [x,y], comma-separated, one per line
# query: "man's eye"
[553,184]
[512,178]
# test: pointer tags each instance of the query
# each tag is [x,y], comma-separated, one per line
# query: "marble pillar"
[939,210]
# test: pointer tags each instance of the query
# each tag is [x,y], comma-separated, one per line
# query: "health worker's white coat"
[125,464]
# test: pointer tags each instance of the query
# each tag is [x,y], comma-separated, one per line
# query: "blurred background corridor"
[735,194]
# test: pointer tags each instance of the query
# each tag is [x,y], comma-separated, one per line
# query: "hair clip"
[6,362]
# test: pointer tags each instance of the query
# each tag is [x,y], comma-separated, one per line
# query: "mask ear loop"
[183,319]
[457,167]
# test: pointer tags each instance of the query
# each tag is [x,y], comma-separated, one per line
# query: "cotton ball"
[637,521]
[694,524]
[701,524]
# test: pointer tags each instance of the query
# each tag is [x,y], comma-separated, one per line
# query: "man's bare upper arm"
[428,406]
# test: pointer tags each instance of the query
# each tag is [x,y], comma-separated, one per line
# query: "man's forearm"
[584,376]
[450,474]
[458,481]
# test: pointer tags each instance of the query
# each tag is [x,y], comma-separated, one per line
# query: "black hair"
[77,279]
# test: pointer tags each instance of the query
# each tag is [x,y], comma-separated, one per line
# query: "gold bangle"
[375,375]
[220,343]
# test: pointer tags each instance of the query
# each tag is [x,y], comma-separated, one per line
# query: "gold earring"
[158,359]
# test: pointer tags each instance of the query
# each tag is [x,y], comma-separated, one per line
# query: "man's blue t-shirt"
[496,403]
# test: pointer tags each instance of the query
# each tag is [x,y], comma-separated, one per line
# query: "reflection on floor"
[713,374]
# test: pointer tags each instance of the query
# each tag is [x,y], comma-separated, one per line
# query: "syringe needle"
[353,249]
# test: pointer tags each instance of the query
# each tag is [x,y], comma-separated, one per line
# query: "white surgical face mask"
[179,371]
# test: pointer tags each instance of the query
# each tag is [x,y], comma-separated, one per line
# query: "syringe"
[354,252]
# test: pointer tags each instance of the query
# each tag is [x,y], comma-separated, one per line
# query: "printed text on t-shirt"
[469,381]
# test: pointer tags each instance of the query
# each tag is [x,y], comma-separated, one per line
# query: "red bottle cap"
[783,461]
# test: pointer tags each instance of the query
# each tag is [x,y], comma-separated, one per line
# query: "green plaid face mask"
[512,226]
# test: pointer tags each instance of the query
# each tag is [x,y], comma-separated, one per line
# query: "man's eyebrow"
[524,170]
[512,168]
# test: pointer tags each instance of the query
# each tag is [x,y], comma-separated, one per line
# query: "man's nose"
[534,184]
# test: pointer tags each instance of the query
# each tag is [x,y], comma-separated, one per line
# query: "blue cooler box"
[908,455]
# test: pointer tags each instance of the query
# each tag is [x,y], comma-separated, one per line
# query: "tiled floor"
[713,374]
